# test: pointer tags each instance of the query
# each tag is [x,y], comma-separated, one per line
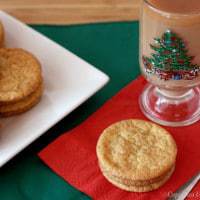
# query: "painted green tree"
[171,58]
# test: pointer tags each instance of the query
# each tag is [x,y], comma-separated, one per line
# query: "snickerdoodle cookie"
[136,155]
[23,105]
[20,75]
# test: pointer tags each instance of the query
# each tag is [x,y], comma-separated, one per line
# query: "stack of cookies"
[136,155]
[20,81]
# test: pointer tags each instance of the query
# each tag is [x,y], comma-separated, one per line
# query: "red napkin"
[73,155]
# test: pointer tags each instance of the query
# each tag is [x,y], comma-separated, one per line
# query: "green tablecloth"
[111,47]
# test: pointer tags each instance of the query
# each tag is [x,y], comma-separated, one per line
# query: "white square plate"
[69,81]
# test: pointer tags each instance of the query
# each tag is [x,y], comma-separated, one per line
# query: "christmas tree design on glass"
[171,59]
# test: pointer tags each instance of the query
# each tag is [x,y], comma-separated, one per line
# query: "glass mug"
[170,61]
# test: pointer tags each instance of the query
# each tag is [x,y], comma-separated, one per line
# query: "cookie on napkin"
[136,155]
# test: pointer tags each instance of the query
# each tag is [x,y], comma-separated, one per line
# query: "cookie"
[145,188]
[20,75]
[1,35]
[136,150]
[21,106]
[133,182]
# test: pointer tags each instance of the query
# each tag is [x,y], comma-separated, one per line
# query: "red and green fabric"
[111,47]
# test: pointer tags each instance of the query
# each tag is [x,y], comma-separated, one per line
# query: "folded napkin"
[73,155]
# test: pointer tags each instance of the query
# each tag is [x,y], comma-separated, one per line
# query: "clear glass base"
[171,108]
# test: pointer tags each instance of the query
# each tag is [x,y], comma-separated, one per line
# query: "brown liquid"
[177,6]
[154,23]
